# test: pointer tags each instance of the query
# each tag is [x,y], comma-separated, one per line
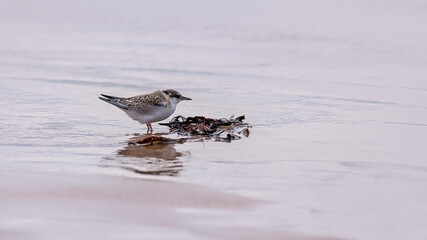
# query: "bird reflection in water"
[152,159]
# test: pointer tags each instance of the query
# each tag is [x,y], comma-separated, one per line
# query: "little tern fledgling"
[148,108]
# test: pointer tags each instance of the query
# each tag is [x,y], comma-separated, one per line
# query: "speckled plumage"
[148,108]
[145,103]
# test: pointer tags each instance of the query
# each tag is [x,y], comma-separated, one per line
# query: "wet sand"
[48,205]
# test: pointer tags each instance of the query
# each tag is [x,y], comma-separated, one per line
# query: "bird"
[148,108]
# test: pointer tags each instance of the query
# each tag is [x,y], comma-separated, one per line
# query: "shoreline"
[47,205]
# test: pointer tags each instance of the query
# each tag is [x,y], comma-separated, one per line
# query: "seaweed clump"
[222,129]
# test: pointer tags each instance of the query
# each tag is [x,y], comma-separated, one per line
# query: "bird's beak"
[186,98]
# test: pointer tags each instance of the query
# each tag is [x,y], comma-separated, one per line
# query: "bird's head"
[175,96]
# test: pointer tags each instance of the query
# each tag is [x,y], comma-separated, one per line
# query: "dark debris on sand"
[201,128]
[222,129]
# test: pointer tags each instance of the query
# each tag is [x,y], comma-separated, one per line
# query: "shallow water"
[335,92]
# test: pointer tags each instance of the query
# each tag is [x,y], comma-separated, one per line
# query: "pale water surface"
[336,93]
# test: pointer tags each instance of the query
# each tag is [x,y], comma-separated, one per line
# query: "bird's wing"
[116,101]
[146,103]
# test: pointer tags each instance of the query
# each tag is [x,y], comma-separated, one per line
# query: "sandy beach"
[48,205]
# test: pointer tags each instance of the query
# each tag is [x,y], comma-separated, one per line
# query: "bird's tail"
[114,101]
[110,97]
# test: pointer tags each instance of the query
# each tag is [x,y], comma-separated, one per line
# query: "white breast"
[156,115]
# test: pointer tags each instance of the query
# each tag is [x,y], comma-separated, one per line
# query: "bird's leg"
[149,128]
